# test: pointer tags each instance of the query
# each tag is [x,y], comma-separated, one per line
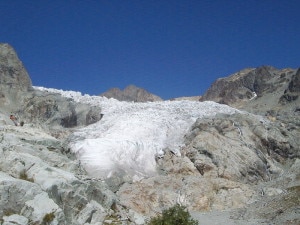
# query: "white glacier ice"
[130,134]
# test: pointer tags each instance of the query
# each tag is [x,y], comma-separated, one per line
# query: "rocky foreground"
[241,168]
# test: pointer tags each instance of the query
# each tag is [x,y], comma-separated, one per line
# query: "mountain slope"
[206,156]
[258,89]
[131,94]
[92,160]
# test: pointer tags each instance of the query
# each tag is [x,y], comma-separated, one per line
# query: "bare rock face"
[185,186]
[13,73]
[41,182]
[239,147]
[131,93]
[18,97]
[227,163]
[55,111]
[14,79]
[292,92]
[294,85]
[257,89]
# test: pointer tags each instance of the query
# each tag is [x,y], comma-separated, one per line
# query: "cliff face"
[13,73]
[131,94]
[292,92]
[14,79]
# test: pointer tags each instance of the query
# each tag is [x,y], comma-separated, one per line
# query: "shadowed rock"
[292,93]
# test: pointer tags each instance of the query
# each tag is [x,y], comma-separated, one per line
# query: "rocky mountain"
[40,180]
[234,167]
[18,97]
[14,79]
[131,94]
[13,73]
[258,90]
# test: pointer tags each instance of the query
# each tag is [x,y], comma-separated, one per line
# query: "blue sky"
[170,48]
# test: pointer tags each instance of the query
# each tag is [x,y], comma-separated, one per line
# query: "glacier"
[130,135]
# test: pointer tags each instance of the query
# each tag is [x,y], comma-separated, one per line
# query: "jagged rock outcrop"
[18,97]
[14,79]
[257,90]
[55,111]
[13,73]
[131,93]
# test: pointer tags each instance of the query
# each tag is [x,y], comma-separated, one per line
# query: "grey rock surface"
[54,111]
[15,220]
[38,178]
[13,73]
[258,90]
[234,163]
[41,182]
[240,147]
[18,97]
[14,79]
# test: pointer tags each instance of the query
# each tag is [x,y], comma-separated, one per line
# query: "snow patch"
[254,95]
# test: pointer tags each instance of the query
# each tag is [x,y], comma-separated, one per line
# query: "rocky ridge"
[258,90]
[131,94]
[239,169]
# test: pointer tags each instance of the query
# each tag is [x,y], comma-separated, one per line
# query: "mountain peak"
[13,73]
[131,93]
[259,89]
